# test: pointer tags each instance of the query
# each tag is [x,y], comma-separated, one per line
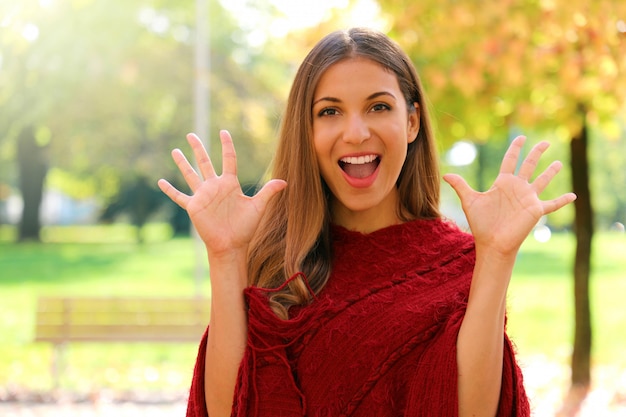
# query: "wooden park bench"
[64,320]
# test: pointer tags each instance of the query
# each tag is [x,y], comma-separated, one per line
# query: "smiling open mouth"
[361,166]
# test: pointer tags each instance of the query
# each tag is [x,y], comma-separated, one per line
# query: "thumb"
[269,190]
[459,185]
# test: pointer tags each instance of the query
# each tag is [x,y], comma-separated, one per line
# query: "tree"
[116,101]
[553,66]
[44,64]
[32,162]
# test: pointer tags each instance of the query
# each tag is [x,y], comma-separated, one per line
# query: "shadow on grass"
[58,263]
[76,254]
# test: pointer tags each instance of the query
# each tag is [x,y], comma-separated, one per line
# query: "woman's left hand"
[502,217]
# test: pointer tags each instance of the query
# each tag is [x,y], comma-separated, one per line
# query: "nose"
[356,130]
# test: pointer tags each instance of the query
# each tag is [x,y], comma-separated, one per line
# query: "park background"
[94,94]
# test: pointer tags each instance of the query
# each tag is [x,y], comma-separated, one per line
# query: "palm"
[223,216]
[503,216]
[222,199]
[505,213]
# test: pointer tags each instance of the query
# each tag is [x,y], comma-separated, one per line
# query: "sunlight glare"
[542,233]
[300,15]
[30,32]
[308,13]
[156,22]
[462,153]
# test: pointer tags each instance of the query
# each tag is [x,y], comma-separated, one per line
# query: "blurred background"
[94,94]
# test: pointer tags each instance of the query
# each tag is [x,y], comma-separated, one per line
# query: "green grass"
[541,296]
[72,262]
[105,260]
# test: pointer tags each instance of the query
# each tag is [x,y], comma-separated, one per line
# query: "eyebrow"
[370,97]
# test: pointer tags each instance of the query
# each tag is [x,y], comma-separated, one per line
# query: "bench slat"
[61,320]
[173,333]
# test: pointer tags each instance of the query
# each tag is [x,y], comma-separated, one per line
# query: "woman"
[339,290]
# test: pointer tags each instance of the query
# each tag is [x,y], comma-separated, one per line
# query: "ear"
[413,124]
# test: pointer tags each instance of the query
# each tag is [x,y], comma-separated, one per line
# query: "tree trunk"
[581,356]
[481,161]
[32,165]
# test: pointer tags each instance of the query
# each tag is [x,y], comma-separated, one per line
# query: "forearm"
[480,342]
[228,333]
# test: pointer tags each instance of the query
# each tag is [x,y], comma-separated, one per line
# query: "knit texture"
[378,340]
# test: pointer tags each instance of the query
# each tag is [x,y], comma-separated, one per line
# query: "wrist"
[226,256]
[492,274]
[495,254]
[228,270]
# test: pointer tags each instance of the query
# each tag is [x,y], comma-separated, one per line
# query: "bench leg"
[58,363]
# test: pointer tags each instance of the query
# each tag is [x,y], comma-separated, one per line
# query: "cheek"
[320,159]
[318,148]
[323,149]
[321,144]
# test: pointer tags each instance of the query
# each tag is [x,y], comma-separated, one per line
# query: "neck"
[366,221]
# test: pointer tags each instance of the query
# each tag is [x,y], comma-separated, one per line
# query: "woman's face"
[361,131]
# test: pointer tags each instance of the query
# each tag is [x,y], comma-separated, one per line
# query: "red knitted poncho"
[378,340]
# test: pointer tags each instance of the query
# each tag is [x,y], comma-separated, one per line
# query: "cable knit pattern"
[378,340]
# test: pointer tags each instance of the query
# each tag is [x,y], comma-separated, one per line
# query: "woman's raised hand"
[224,217]
[502,217]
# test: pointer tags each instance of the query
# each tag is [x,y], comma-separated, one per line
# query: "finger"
[202,157]
[460,186]
[509,161]
[269,190]
[542,181]
[551,206]
[189,173]
[229,157]
[531,160]
[176,196]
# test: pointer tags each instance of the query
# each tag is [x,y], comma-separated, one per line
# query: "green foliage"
[112,103]
[112,86]
[515,63]
[73,186]
[539,67]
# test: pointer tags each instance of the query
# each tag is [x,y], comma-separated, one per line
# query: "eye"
[378,107]
[328,111]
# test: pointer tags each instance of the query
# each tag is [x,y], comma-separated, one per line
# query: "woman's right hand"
[224,217]
[226,220]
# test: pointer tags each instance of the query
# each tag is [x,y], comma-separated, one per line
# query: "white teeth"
[358,160]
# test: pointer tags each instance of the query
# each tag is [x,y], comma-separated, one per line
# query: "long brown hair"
[293,236]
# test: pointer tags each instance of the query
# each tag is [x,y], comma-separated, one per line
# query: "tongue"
[360,170]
